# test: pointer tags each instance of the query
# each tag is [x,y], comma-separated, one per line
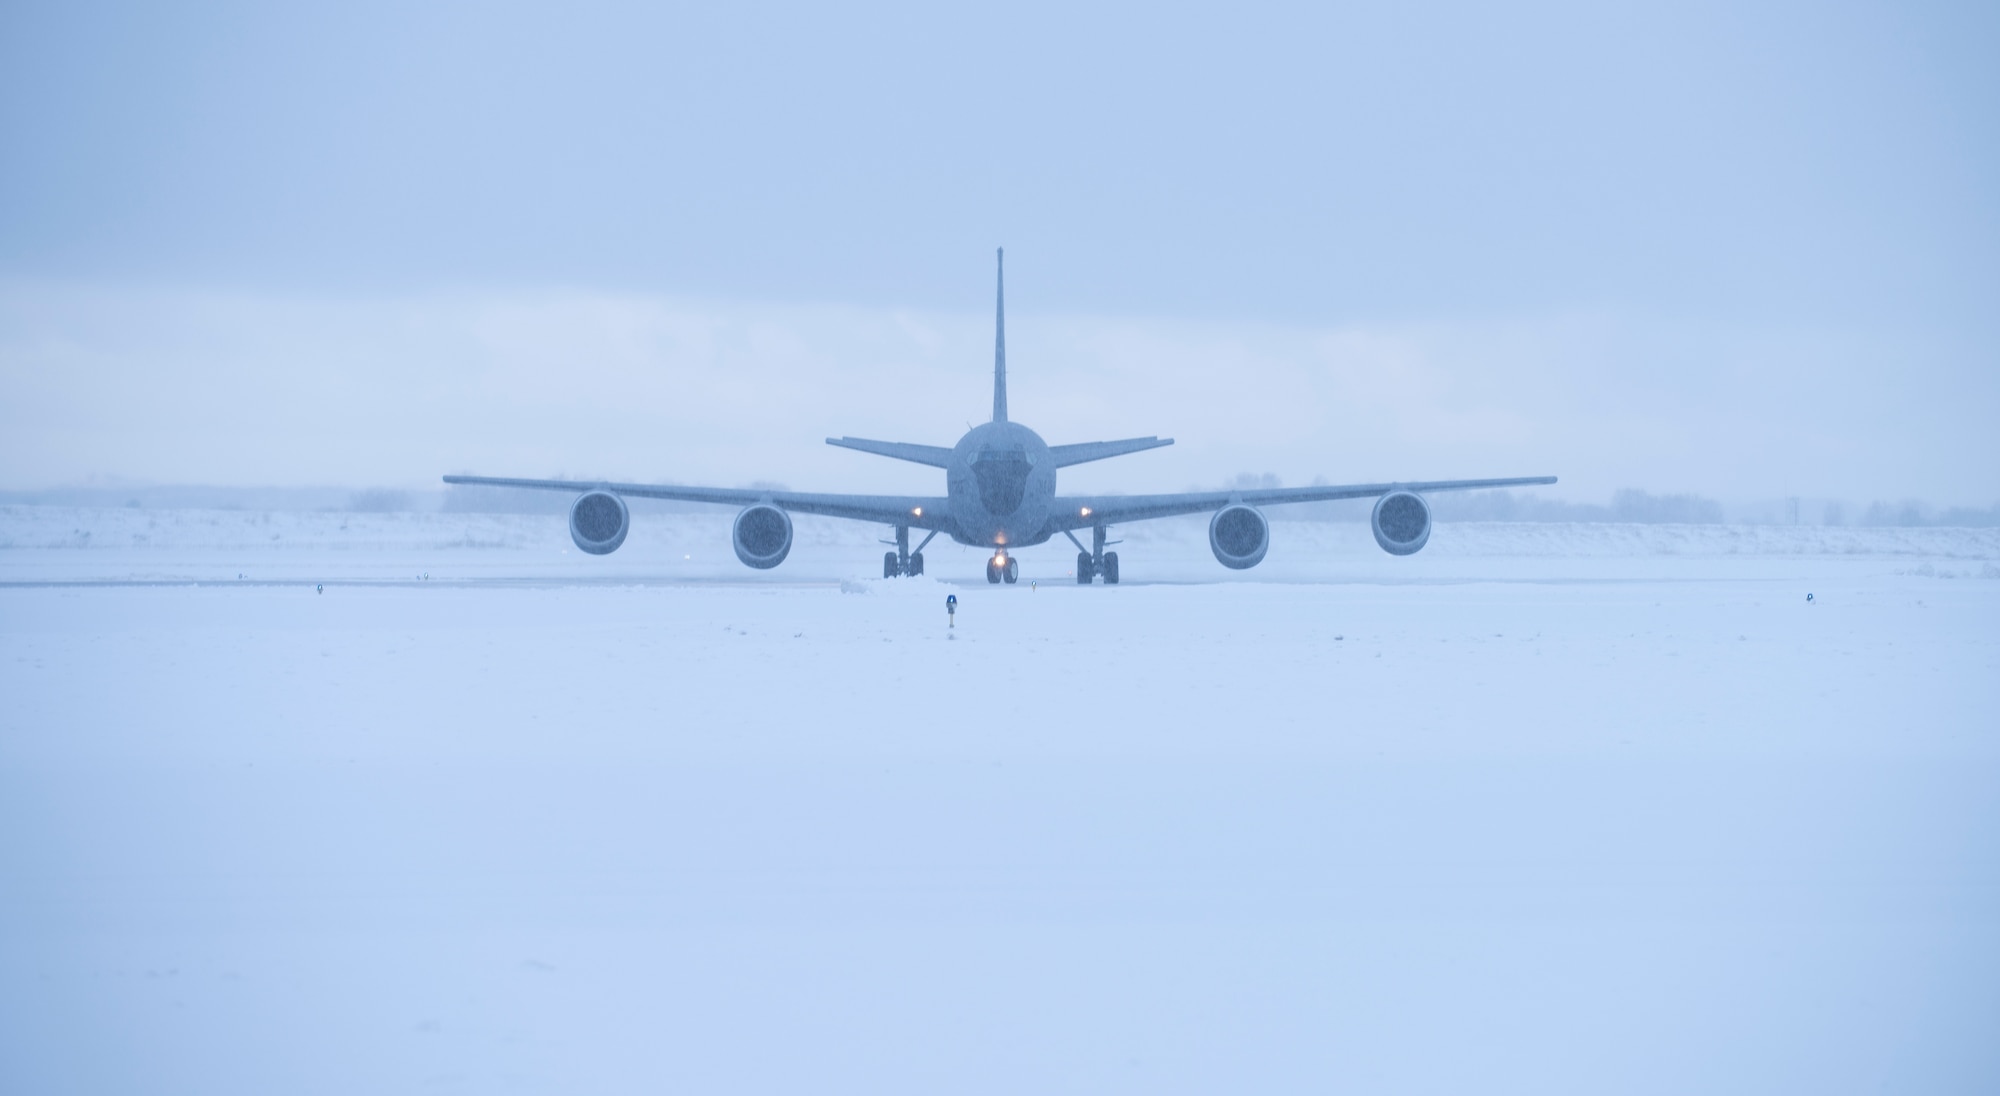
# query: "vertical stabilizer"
[1000,340]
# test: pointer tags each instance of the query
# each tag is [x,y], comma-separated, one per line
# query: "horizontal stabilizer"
[1067,455]
[936,456]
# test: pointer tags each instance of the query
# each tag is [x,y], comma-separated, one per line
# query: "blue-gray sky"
[1744,250]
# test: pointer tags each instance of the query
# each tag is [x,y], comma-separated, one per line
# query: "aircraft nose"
[1002,476]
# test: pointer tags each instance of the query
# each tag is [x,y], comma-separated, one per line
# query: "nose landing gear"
[1003,568]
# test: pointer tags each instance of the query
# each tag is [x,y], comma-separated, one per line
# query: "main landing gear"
[1095,562]
[902,562]
[1003,568]
[1087,570]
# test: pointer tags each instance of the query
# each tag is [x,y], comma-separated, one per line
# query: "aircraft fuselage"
[1001,482]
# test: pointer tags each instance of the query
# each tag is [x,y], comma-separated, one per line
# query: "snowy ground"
[1542,809]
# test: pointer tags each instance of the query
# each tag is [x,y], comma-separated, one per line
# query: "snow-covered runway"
[1529,819]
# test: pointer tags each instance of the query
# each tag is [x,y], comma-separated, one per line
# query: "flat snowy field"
[1543,809]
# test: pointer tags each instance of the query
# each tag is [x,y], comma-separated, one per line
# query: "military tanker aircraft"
[1000,493]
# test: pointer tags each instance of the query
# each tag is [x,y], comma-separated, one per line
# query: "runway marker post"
[951,610]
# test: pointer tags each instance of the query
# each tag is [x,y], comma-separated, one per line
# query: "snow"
[1541,809]
[91,544]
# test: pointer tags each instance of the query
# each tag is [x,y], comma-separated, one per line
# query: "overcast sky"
[1749,251]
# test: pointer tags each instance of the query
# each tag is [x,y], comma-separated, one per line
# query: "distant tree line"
[1637,506]
[1912,512]
[1633,505]
[1628,505]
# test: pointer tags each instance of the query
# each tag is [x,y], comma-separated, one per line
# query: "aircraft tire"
[992,572]
[889,565]
[916,564]
[1013,570]
[1083,575]
[1111,568]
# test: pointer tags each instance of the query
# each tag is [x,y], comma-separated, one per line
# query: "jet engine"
[762,536]
[598,521]
[1239,536]
[1402,522]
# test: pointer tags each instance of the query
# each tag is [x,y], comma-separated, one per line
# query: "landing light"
[919,511]
[1086,511]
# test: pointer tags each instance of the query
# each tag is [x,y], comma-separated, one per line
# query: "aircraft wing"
[1084,511]
[915,511]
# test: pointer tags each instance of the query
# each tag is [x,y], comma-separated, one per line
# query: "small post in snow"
[951,610]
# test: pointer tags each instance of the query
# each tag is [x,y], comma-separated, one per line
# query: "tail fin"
[1000,340]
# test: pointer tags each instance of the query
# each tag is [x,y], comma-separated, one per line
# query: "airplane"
[1000,493]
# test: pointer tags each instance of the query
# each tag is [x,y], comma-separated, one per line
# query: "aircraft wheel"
[992,571]
[1013,570]
[1083,575]
[889,565]
[917,564]
[1111,568]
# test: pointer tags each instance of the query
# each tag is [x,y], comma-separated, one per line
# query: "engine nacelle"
[1239,536]
[1402,522]
[762,536]
[598,521]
